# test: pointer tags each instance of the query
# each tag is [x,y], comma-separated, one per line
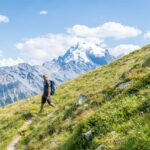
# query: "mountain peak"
[85,52]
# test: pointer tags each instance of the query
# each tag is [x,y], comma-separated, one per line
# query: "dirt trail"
[15,140]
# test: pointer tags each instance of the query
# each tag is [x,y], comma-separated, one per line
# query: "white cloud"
[106,30]
[4,19]
[43,48]
[123,49]
[43,12]
[36,50]
[10,61]
[147,35]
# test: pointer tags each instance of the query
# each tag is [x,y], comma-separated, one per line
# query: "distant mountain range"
[24,80]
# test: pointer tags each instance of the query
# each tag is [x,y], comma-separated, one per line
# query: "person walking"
[46,93]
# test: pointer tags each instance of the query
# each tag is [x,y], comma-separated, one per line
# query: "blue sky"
[26,22]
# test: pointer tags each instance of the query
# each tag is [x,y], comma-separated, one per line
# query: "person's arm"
[49,89]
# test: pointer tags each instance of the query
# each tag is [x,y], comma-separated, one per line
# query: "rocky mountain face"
[23,80]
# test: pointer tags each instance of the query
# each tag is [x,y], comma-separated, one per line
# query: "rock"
[81,99]
[141,113]
[123,85]
[53,142]
[88,135]
[67,107]
[51,115]
[113,132]
[100,147]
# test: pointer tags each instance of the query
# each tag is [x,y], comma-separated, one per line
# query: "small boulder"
[123,85]
[100,147]
[113,132]
[141,113]
[51,115]
[88,135]
[67,107]
[53,142]
[81,99]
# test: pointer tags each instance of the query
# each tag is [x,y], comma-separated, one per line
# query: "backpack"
[53,88]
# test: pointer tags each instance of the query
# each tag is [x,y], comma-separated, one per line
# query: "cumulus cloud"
[36,50]
[43,12]
[123,49]
[10,61]
[106,30]
[43,48]
[4,19]
[147,35]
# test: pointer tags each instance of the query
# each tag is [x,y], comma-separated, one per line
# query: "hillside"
[108,108]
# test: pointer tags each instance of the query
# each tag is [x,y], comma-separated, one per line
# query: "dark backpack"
[53,88]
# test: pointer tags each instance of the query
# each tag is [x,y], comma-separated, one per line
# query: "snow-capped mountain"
[23,80]
[79,59]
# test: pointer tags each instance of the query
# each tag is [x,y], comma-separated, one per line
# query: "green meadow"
[116,111]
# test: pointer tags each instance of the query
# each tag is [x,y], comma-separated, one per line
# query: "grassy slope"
[117,119]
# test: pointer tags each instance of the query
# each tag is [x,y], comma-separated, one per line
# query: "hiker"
[46,93]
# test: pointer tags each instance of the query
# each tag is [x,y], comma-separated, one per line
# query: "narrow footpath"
[15,140]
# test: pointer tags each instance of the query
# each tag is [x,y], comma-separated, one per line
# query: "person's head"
[45,77]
